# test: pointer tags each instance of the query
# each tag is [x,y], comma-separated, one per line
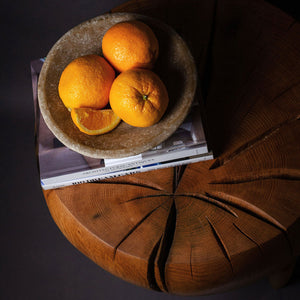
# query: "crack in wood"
[220,242]
[252,143]
[151,267]
[210,200]
[276,173]
[166,244]
[178,173]
[249,238]
[134,228]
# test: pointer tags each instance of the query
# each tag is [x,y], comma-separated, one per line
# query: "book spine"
[55,185]
[99,172]
[58,184]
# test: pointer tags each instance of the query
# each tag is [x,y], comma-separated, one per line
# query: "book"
[60,166]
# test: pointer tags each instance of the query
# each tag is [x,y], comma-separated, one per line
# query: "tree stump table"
[209,226]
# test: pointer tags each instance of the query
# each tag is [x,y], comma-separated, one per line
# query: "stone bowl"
[175,66]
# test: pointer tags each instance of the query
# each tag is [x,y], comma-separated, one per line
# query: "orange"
[86,82]
[139,97]
[130,44]
[94,122]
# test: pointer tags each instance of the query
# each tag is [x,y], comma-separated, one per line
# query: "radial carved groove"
[134,228]
[207,68]
[165,245]
[191,264]
[293,23]
[220,242]
[210,200]
[289,88]
[148,196]
[276,173]
[126,183]
[248,207]
[248,237]
[151,267]
[262,138]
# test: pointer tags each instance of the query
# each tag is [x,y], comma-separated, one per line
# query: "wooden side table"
[213,225]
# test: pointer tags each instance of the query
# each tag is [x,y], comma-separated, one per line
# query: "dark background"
[36,261]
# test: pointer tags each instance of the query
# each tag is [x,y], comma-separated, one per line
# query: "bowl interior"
[175,66]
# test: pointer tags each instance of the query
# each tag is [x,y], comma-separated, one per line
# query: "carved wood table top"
[209,226]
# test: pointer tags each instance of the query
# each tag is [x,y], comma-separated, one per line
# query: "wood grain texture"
[213,225]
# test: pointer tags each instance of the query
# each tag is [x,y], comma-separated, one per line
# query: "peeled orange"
[139,97]
[94,122]
[130,44]
[86,82]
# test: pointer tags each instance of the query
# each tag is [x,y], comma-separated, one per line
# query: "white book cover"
[59,166]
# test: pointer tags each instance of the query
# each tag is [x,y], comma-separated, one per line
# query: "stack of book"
[59,166]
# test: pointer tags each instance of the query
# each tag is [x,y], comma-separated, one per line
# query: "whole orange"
[130,44]
[139,97]
[86,82]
